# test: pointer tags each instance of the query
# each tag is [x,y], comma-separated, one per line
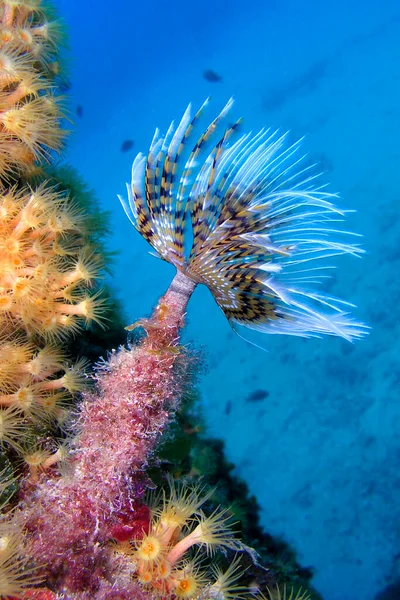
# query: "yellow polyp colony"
[16,569]
[284,594]
[149,549]
[189,582]
[41,291]
[30,112]
[44,295]
[12,427]
[169,558]
[48,263]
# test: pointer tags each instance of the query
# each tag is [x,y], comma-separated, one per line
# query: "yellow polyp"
[22,155]
[12,427]
[18,94]
[187,587]
[6,303]
[51,407]
[46,362]
[36,458]
[55,326]
[16,572]
[163,569]
[84,271]
[149,549]
[6,36]
[68,322]
[25,36]
[49,403]
[122,547]
[16,262]
[145,577]
[91,308]
[10,245]
[24,398]
[22,288]
[40,460]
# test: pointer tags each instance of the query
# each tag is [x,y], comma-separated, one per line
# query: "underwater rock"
[391,592]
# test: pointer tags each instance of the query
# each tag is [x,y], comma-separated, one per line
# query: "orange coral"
[163,564]
[47,265]
[43,286]
[30,113]
[46,268]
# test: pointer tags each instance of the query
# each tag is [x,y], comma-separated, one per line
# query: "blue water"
[321,452]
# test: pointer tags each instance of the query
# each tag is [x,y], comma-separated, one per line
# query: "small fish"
[127,145]
[79,111]
[257,396]
[212,76]
[228,407]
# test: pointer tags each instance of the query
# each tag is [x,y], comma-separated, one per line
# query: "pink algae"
[72,519]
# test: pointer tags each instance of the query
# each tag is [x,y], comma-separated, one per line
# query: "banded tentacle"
[262,224]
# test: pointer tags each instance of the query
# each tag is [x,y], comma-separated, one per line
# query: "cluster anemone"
[30,109]
[17,571]
[285,594]
[169,557]
[48,262]
[177,555]
[48,266]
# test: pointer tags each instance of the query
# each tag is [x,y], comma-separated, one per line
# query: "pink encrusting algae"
[71,519]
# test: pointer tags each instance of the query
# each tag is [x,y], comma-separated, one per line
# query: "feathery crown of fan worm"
[251,221]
